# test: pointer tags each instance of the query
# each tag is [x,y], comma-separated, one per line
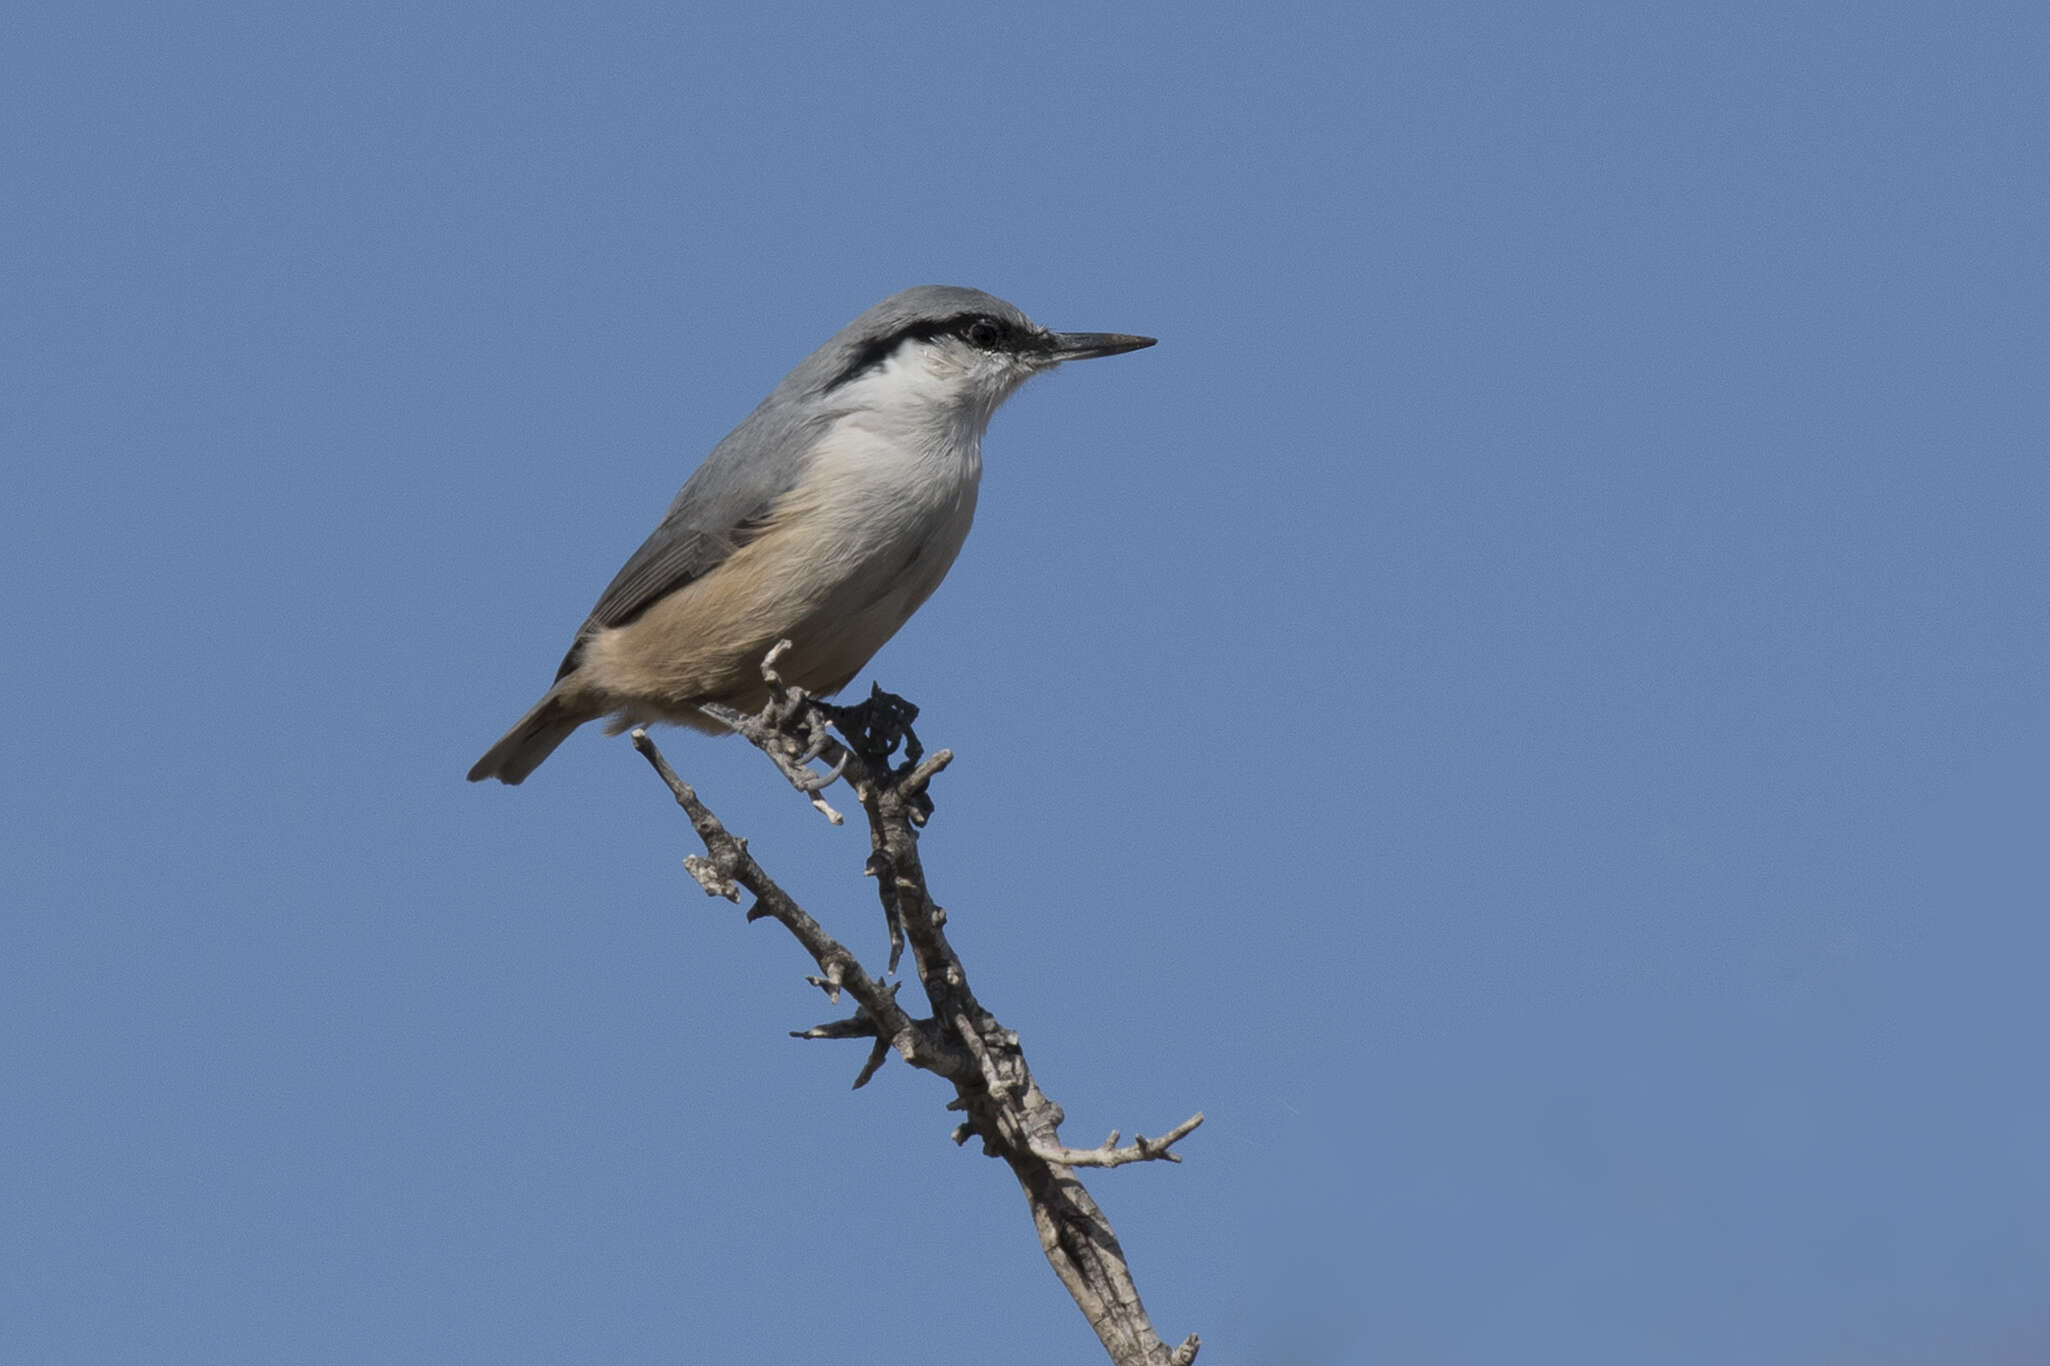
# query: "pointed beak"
[1086,345]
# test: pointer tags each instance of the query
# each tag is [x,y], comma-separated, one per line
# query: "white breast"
[884,506]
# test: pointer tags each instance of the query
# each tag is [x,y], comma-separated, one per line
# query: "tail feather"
[533,738]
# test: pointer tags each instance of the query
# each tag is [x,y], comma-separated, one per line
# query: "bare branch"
[729,862]
[1142,1149]
[876,1057]
[858,1026]
[710,878]
[962,1041]
[831,983]
[923,775]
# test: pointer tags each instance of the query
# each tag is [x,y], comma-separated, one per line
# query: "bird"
[826,518]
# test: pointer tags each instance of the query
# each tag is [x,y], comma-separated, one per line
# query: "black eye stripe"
[977,329]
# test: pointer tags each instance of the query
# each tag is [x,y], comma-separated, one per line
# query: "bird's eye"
[985,333]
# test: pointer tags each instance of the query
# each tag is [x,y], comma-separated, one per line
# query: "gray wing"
[723,505]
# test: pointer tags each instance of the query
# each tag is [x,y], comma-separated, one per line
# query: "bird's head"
[945,346]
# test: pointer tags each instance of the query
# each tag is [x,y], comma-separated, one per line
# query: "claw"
[819,782]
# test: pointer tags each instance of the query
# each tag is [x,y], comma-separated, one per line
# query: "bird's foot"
[792,735]
[873,730]
[791,729]
[876,727]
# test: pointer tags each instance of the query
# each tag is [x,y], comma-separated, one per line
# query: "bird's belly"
[860,615]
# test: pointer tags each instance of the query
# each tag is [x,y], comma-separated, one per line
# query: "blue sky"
[1526,707]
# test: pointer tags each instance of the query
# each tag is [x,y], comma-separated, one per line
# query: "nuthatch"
[826,518]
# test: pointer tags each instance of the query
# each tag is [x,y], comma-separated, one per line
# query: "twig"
[730,863]
[1142,1149]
